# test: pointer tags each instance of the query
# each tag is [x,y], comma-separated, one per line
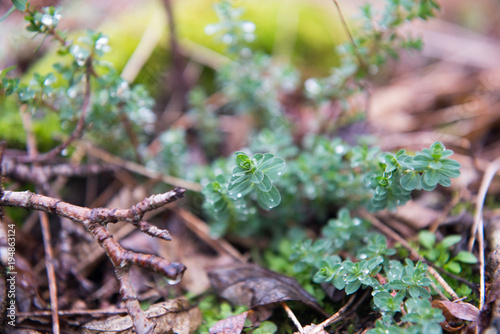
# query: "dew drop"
[174,281]
[239,195]
[279,174]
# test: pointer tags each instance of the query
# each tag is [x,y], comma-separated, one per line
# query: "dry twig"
[478,227]
[94,221]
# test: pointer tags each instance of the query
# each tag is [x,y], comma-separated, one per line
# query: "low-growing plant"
[292,180]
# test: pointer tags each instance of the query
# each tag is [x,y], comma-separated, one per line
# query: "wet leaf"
[253,286]
[171,316]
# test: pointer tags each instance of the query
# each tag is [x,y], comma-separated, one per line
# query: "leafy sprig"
[257,173]
[402,173]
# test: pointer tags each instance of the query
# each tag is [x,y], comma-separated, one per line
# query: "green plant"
[249,194]
[402,173]
[366,51]
[118,112]
[439,253]
[392,283]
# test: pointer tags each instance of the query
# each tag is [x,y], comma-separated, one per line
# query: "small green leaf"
[426,186]
[266,184]
[20,4]
[256,176]
[269,200]
[352,287]
[338,282]
[241,159]
[220,205]
[431,177]
[238,178]
[435,165]
[239,190]
[466,257]
[264,160]
[410,181]
[275,168]
[453,267]
[427,239]
[450,241]
[267,327]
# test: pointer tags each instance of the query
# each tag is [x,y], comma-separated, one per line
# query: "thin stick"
[333,318]
[393,235]
[478,227]
[44,223]
[51,274]
[149,40]
[2,149]
[348,31]
[141,170]
[201,229]
[292,316]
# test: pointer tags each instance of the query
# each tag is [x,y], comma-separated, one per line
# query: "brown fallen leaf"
[173,316]
[254,286]
[231,325]
[455,314]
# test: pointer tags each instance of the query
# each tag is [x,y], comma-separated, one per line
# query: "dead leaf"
[171,316]
[231,325]
[455,314]
[254,286]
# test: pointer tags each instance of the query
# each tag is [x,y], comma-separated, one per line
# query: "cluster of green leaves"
[370,48]
[225,197]
[440,253]
[402,173]
[251,82]
[61,92]
[7,85]
[323,172]
[396,287]
[419,313]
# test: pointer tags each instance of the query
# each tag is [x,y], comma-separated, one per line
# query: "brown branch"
[121,257]
[122,260]
[31,201]
[94,221]
[25,172]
